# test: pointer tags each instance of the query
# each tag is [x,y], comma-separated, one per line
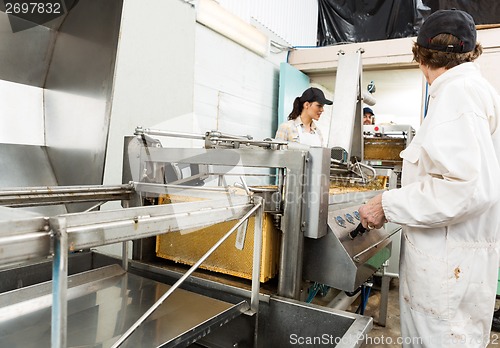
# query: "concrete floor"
[381,336]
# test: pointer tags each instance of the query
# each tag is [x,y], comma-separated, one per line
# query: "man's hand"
[372,213]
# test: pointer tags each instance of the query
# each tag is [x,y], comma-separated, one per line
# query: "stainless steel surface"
[384,300]
[286,322]
[26,54]
[348,199]
[315,201]
[28,165]
[72,60]
[89,229]
[342,262]
[279,318]
[209,285]
[77,93]
[345,124]
[22,301]
[255,280]
[23,236]
[104,302]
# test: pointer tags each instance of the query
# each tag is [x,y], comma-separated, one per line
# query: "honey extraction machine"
[94,299]
[219,244]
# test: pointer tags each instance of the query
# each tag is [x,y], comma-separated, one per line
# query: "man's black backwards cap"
[455,22]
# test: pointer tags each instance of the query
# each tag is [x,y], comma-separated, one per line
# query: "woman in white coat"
[449,202]
[301,127]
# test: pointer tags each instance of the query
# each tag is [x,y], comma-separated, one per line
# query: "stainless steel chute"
[109,297]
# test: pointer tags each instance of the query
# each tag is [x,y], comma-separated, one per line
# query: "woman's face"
[314,110]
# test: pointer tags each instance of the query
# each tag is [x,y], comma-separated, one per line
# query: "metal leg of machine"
[384,300]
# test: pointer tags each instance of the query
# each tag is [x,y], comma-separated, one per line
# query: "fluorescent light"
[215,17]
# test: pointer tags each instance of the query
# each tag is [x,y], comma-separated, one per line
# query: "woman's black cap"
[315,94]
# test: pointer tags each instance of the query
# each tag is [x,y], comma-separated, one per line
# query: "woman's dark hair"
[437,59]
[297,109]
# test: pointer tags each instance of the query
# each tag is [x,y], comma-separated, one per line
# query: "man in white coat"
[449,202]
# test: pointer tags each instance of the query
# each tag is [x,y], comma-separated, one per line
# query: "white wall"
[154,74]
[398,95]
[236,91]
[295,22]
[488,63]
[154,78]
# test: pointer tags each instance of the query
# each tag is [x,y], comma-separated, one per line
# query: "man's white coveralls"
[449,206]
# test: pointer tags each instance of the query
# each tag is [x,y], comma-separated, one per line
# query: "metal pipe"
[257,251]
[64,189]
[245,186]
[374,172]
[281,176]
[94,207]
[32,196]
[125,256]
[342,301]
[60,286]
[259,143]
[241,174]
[148,131]
[214,135]
[183,278]
[124,246]
[140,185]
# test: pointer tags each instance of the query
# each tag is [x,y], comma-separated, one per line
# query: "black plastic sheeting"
[347,21]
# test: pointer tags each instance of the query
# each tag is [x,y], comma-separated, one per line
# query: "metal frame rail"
[42,237]
[51,195]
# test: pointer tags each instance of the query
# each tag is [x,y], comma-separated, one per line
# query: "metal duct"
[72,59]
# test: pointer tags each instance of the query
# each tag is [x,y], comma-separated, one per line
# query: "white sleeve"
[455,177]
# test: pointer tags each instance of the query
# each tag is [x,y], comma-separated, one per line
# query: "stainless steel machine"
[132,301]
[383,143]
[60,289]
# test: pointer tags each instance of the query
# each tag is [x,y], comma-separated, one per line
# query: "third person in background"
[368,116]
